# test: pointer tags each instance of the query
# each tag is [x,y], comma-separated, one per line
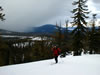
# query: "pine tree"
[1,14]
[79,33]
[4,53]
[65,40]
[58,37]
[93,37]
[66,31]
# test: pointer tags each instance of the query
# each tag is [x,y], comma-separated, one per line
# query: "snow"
[39,38]
[36,38]
[71,65]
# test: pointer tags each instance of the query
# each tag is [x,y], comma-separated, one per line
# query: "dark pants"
[56,59]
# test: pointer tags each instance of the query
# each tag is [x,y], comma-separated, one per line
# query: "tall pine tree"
[3,46]
[79,33]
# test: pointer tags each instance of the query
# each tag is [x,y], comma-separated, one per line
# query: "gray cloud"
[96,1]
[21,14]
[96,6]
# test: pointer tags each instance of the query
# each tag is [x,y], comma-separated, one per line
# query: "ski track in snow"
[71,65]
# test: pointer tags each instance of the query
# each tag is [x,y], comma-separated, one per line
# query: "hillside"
[71,65]
[47,29]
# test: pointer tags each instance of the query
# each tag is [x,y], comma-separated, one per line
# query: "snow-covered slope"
[71,65]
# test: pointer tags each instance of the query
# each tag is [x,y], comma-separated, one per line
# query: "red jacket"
[56,51]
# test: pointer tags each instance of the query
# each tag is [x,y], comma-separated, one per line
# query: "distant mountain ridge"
[3,31]
[8,32]
[43,29]
[47,29]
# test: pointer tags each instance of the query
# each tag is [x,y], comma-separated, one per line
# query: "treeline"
[25,50]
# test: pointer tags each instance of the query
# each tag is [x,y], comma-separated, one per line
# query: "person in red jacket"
[56,52]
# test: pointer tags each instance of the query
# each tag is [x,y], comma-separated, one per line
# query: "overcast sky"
[23,14]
